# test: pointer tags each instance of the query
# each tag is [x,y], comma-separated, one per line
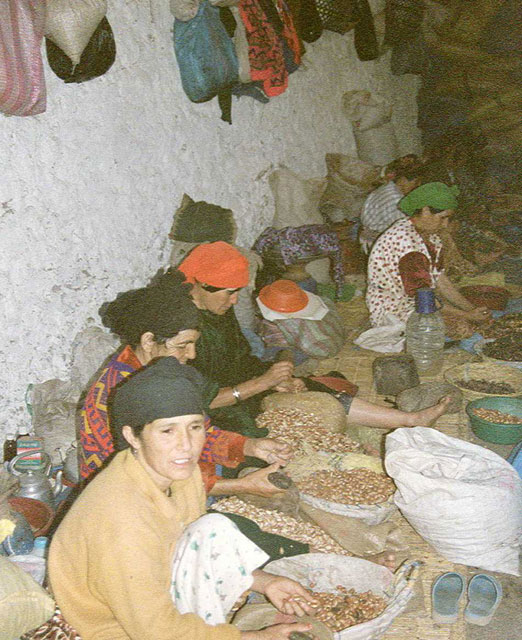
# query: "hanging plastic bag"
[463,499]
[71,23]
[205,54]
[22,82]
[96,59]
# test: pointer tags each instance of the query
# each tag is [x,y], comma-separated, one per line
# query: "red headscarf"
[217,264]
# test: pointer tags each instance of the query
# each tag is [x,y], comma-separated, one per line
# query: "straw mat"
[356,364]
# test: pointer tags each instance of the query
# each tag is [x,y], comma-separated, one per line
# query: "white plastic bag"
[463,499]
[386,339]
[326,571]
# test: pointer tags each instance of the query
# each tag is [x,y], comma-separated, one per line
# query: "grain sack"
[322,405]
[464,500]
[71,23]
[349,182]
[296,198]
[370,115]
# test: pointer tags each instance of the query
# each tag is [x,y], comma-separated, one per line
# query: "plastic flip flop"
[484,596]
[446,593]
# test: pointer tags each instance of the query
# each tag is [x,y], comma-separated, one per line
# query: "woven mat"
[356,364]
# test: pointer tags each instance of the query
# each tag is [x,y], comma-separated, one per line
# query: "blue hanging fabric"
[205,53]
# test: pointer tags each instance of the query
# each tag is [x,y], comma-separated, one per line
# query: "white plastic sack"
[370,114]
[370,514]
[71,23]
[326,571]
[386,339]
[463,499]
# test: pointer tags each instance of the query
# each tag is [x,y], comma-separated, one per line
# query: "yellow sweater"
[110,559]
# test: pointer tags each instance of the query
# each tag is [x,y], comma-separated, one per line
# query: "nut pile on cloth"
[281,524]
[357,486]
[346,608]
[296,427]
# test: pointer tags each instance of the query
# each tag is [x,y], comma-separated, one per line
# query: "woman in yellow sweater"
[134,557]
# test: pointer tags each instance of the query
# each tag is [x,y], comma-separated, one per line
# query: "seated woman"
[408,256]
[217,271]
[153,322]
[135,557]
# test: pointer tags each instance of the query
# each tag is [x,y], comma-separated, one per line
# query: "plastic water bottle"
[41,544]
[425,332]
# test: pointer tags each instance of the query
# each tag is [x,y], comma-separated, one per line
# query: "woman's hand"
[269,450]
[287,595]
[258,484]
[294,385]
[479,314]
[278,373]
[276,632]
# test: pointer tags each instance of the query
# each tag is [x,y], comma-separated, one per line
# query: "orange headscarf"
[217,264]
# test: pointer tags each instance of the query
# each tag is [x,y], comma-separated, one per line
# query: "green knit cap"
[433,194]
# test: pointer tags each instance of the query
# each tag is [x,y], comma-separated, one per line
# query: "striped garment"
[22,81]
[96,445]
[380,209]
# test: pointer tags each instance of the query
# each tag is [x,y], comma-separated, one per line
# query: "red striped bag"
[22,82]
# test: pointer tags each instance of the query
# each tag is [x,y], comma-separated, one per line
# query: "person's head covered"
[217,264]
[159,412]
[217,271]
[435,195]
[160,312]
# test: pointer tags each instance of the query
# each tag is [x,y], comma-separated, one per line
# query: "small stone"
[428,394]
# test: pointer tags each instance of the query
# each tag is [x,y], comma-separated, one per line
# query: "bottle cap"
[425,301]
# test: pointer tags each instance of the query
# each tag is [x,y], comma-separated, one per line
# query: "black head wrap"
[164,389]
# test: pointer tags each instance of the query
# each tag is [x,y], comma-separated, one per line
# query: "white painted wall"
[88,188]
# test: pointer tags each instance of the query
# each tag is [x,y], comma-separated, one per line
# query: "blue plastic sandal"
[484,596]
[446,593]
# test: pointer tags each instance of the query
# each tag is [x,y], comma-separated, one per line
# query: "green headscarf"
[433,194]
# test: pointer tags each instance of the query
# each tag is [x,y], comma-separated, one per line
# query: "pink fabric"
[22,82]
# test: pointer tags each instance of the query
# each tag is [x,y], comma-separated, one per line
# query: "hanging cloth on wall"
[22,82]
[338,15]
[96,59]
[274,46]
[306,19]
[365,39]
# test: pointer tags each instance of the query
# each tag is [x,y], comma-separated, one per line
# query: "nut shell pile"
[346,608]
[357,486]
[504,326]
[492,415]
[295,427]
[282,525]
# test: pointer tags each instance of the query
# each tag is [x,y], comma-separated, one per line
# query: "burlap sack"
[296,198]
[323,405]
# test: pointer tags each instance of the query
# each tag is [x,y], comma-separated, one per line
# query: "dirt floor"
[415,623]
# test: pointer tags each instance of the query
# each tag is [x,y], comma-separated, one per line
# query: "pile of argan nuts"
[345,608]
[357,486]
[295,426]
[492,415]
[283,525]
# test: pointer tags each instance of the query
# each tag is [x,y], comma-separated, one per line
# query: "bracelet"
[236,394]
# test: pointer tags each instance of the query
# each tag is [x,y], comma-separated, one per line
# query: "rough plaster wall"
[89,187]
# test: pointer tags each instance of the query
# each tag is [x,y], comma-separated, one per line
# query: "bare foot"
[386,559]
[427,417]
